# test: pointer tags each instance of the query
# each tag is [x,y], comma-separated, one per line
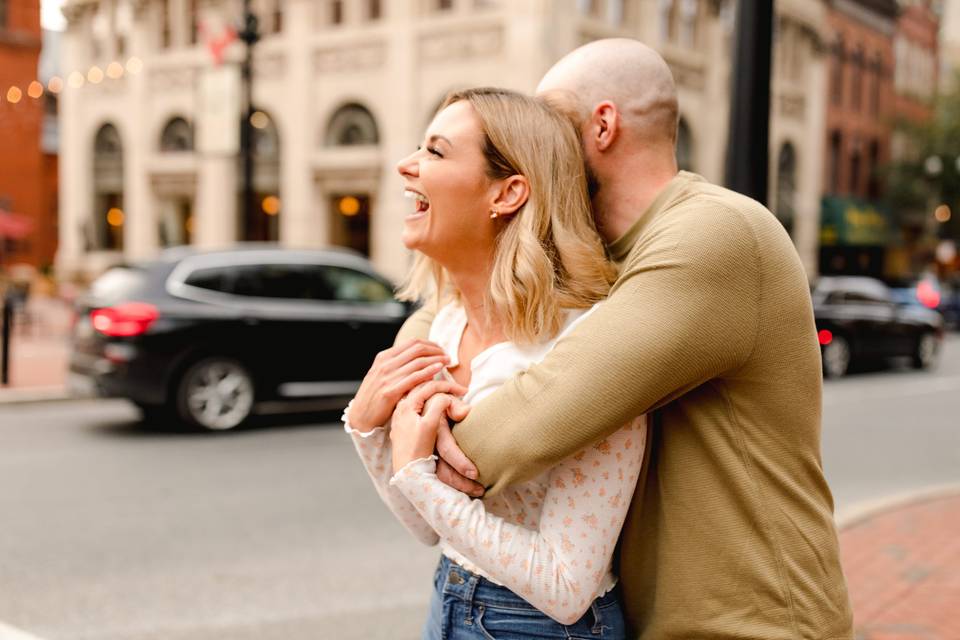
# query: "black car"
[859,320]
[213,337]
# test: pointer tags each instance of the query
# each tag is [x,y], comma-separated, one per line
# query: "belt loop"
[597,621]
[468,594]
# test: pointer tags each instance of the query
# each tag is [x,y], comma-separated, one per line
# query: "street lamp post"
[748,145]
[250,35]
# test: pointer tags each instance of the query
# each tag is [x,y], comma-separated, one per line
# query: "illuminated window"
[106,228]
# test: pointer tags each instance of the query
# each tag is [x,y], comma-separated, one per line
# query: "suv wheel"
[215,393]
[926,352]
[836,357]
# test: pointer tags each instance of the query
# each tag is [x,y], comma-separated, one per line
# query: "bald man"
[710,330]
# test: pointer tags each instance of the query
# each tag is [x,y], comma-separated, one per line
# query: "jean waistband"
[453,580]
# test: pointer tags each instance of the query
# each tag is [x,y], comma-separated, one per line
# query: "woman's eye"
[434,151]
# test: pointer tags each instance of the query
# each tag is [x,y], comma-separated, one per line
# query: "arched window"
[352,124]
[786,186]
[177,135]
[836,78]
[857,67]
[105,230]
[684,146]
[836,147]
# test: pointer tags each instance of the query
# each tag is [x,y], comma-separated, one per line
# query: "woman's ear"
[513,194]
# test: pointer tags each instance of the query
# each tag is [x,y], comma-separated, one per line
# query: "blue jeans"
[467,607]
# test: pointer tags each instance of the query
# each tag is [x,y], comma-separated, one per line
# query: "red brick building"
[860,109]
[28,177]
[917,60]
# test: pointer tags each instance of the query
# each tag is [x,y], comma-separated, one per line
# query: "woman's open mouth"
[420,202]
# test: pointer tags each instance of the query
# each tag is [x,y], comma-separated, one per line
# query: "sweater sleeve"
[683,311]
[375,452]
[416,326]
[559,566]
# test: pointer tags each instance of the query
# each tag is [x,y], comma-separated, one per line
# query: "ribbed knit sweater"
[709,326]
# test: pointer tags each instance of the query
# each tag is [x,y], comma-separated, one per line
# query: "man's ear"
[604,125]
[513,194]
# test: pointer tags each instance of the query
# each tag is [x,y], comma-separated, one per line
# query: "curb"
[30,395]
[862,511]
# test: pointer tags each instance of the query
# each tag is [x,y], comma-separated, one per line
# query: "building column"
[76,157]
[810,168]
[301,215]
[215,215]
[399,132]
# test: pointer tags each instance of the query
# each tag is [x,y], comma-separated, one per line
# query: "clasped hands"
[400,388]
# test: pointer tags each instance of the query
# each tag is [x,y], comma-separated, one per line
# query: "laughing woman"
[508,251]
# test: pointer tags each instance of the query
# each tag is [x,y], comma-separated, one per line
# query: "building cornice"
[875,14]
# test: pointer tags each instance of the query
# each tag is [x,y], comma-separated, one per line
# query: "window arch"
[351,125]
[786,185]
[177,135]
[684,146]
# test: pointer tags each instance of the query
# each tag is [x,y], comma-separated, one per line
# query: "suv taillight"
[124,320]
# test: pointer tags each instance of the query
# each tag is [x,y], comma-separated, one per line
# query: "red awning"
[14,225]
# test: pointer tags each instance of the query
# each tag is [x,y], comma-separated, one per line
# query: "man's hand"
[395,372]
[454,468]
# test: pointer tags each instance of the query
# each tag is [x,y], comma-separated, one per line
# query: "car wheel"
[215,394]
[926,352]
[836,357]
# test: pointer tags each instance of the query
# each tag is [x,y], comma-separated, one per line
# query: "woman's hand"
[395,372]
[414,436]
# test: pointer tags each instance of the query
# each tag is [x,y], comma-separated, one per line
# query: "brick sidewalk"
[903,571]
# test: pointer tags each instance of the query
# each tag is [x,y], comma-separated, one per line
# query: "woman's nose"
[409,167]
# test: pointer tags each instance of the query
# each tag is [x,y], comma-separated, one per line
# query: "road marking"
[12,633]
[834,396]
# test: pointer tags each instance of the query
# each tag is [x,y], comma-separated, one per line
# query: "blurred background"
[199,233]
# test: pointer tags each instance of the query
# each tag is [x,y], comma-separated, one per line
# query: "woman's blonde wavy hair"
[549,256]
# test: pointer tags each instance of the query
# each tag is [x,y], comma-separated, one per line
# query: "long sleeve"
[558,567]
[683,311]
[375,453]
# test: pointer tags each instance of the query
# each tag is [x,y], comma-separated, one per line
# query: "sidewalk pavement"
[903,569]
[39,351]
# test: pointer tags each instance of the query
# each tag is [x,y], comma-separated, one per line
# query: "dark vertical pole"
[748,146]
[5,338]
[250,37]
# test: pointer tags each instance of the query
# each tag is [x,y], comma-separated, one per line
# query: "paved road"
[109,531]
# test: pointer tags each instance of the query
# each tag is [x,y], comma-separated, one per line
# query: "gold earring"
[494,213]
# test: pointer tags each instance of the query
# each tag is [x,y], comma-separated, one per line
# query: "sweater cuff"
[355,432]
[414,469]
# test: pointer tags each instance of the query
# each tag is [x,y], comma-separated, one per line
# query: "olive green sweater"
[709,326]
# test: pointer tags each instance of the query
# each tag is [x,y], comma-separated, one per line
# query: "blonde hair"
[549,256]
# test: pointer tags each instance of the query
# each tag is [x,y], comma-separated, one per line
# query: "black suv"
[859,320]
[213,337]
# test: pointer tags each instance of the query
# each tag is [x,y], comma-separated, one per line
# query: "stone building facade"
[344,88]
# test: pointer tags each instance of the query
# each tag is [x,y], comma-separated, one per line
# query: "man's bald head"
[625,72]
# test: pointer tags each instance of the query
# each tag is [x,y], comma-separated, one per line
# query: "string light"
[114,70]
[35,90]
[95,75]
[55,84]
[259,120]
[14,94]
[75,80]
[134,65]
